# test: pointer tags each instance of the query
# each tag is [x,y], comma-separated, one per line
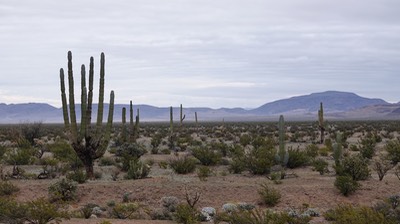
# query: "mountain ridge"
[339,105]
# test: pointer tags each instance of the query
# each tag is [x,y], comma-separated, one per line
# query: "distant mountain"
[337,105]
[333,101]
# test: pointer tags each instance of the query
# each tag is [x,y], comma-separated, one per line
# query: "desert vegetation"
[226,172]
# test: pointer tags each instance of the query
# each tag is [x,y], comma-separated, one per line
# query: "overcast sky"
[214,53]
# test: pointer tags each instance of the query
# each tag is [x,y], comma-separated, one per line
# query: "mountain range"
[337,105]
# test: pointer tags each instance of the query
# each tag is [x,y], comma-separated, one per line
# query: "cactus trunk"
[321,122]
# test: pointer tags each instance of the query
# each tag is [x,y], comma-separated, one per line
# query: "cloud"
[203,52]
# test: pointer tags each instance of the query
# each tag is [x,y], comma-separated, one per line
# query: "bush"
[131,150]
[186,214]
[261,217]
[355,166]
[203,172]
[312,150]
[42,211]
[78,176]
[260,160]
[237,165]
[207,157]
[346,185]
[183,165]
[11,212]
[269,195]
[137,170]
[107,161]
[393,149]
[63,190]
[7,188]
[320,165]
[125,210]
[20,156]
[297,158]
[344,214]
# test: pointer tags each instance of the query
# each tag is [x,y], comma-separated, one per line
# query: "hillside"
[337,105]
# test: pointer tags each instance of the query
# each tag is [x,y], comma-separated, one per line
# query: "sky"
[201,53]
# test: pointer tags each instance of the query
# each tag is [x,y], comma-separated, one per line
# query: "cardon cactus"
[89,144]
[321,122]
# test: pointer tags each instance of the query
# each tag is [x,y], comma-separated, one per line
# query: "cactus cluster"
[89,144]
[133,126]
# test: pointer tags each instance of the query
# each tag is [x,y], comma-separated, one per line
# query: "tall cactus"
[182,116]
[282,154]
[171,120]
[87,144]
[321,122]
[123,127]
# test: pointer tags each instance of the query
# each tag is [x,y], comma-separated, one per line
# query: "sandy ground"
[309,187]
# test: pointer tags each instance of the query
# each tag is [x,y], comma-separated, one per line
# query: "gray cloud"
[223,53]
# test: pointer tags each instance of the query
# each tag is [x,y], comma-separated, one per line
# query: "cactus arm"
[64,100]
[74,128]
[90,94]
[110,117]
[83,102]
[123,124]
[137,124]
[101,94]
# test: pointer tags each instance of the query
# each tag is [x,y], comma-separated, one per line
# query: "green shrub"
[297,158]
[63,190]
[269,195]
[106,161]
[312,150]
[355,166]
[320,165]
[137,170]
[393,149]
[41,211]
[245,139]
[11,212]
[78,176]
[7,188]
[62,151]
[367,146]
[186,214]
[237,165]
[125,210]
[20,156]
[344,214]
[256,216]
[206,156]
[131,150]
[183,165]
[203,172]
[346,185]
[260,160]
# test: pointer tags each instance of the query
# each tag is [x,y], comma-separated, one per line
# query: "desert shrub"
[206,156]
[269,195]
[62,151]
[245,139]
[382,166]
[31,131]
[237,165]
[78,176]
[125,210]
[320,165]
[130,150]
[393,150]
[7,188]
[3,150]
[186,214]
[297,158]
[256,216]
[20,156]
[11,212]
[183,165]
[63,190]
[87,210]
[312,150]
[355,166]
[203,172]
[260,160]
[137,170]
[367,147]
[106,161]
[344,214]
[346,185]
[41,211]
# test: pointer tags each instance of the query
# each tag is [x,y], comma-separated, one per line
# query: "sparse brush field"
[258,172]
